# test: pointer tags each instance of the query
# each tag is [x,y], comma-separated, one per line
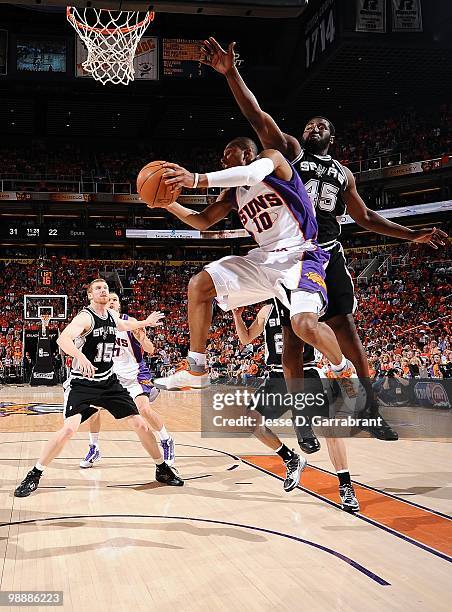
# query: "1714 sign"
[320,33]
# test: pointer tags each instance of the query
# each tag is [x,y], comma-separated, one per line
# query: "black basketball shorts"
[81,395]
[339,285]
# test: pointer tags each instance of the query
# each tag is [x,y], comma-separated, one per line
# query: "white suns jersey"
[125,364]
[278,214]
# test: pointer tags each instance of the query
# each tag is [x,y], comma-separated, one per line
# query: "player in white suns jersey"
[134,375]
[288,264]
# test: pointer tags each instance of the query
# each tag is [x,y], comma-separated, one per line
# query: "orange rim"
[148,18]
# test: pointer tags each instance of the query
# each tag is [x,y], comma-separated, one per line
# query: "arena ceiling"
[360,77]
[239,8]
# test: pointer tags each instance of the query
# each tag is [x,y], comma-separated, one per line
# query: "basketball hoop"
[111,39]
[45,320]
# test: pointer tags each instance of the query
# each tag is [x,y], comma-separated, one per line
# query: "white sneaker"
[168,451]
[183,378]
[92,457]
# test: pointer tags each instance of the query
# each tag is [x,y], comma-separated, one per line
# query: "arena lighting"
[60,244]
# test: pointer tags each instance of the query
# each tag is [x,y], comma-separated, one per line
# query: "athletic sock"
[38,469]
[344,477]
[341,366]
[285,453]
[94,439]
[163,434]
[198,358]
[159,463]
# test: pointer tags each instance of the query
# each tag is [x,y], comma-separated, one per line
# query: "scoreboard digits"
[181,58]
[45,278]
[61,233]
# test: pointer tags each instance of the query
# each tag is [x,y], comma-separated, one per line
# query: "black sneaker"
[29,484]
[167,475]
[310,445]
[382,430]
[294,467]
[348,498]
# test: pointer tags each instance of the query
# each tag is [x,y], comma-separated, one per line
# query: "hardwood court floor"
[112,539]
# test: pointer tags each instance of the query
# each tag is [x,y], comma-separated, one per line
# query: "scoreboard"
[14,231]
[45,277]
[181,58]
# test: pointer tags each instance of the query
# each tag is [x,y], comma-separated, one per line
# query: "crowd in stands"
[415,135]
[403,315]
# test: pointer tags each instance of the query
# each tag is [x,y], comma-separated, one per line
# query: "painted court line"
[412,523]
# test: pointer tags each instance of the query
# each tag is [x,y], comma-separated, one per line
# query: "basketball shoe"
[310,445]
[349,386]
[348,498]
[294,468]
[153,394]
[187,376]
[381,428]
[92,457]
[166,475]
[168,451]
[29,484]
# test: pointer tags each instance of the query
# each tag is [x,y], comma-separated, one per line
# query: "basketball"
[151,187]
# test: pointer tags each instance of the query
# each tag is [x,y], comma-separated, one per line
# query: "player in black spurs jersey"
[272,319]
[267,322]
[90,339]
[332,189]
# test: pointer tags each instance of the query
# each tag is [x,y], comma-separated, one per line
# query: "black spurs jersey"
[274,343]
[325,181]
[97,345]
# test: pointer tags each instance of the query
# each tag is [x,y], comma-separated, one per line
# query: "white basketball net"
[45,320]
[111,39]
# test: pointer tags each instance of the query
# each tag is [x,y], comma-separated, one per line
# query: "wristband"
[195,180]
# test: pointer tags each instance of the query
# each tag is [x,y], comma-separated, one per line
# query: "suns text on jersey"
[252,210]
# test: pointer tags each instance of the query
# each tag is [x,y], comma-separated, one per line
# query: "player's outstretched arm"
[153,320]
[248,334]
[209,216]
[270,134]
[269,161]
[79,324]
[371,220]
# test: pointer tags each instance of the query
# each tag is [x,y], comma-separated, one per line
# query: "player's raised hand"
[154,319]
[86,367]
[434,237]
[176,176]
[213,54]
[238,311]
